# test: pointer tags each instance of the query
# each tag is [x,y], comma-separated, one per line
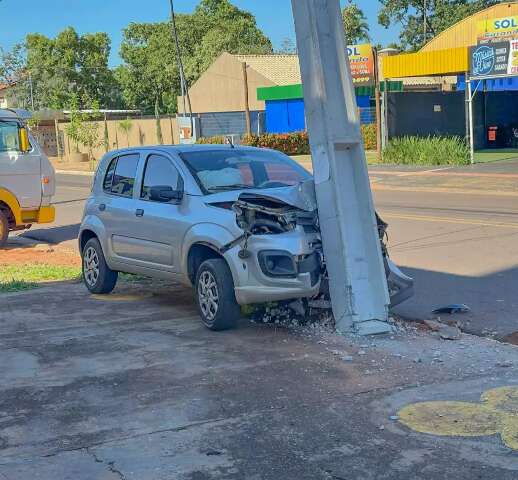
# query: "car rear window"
[120,176]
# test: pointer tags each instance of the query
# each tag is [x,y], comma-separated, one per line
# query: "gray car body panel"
[129,246]
[158,244]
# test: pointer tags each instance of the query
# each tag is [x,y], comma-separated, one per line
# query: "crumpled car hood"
[301,196]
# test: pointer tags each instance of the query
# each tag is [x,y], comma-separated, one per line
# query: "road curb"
[75,172]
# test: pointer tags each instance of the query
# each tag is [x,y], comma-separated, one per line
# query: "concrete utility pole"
[358,286]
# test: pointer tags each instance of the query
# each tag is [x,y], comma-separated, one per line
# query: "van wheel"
[97,276]
[215,295]
[4,229]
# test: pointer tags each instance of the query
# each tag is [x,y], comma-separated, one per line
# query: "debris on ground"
[452,309]
[297,313]
[444,330]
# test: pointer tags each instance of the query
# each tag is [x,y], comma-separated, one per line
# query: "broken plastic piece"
[453,308]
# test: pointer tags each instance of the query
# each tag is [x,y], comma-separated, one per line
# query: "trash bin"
[492,133]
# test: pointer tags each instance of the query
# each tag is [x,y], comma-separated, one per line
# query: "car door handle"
[102,207]
[139,212]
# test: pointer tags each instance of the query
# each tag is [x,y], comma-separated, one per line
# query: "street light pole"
[32,92]
[183,83]
[424,22]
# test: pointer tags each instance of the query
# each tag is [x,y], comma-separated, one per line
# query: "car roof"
[185,148]
[8,114]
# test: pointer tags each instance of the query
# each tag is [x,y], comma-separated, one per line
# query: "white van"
[27,179]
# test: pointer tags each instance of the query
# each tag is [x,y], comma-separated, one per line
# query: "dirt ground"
[39,254]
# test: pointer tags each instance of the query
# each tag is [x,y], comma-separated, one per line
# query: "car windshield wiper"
[235,186]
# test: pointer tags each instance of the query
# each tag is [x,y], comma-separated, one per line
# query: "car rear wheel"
[4,229]
[97,276]
[215,295]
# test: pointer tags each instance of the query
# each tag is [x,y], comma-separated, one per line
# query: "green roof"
[290,92]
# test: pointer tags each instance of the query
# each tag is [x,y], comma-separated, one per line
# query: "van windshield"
[234,169]
[9,137]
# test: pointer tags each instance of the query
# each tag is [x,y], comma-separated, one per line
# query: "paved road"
[459,247]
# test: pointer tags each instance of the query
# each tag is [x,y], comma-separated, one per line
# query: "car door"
[160,225]
[116,206]
[20,173]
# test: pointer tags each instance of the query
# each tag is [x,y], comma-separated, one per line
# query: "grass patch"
[495,155]
[426,151]
[15,278]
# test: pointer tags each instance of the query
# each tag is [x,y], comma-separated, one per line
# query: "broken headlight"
[277,263]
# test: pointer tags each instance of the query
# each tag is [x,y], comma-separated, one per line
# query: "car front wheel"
[215,295]
[98,277]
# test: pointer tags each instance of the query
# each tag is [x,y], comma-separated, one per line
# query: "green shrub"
[296,143]
[369,136]
[211,140]
[426,151]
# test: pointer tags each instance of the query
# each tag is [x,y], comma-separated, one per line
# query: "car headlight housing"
[277,263]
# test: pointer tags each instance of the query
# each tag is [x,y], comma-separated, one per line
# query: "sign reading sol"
[361,59]
[497,28]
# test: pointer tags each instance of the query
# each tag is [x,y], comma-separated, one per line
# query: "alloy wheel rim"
[91,266]
[208,295]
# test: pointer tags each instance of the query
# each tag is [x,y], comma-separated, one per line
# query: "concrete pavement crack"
[109,465]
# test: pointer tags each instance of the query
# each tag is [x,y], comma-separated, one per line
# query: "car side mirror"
[166,194]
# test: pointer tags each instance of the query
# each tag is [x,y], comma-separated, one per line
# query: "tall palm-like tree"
[355,24]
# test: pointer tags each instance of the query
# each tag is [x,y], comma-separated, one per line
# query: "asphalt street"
[459,245]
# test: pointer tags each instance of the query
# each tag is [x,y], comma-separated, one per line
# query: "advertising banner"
[361,58]
[492,59]
[497,29]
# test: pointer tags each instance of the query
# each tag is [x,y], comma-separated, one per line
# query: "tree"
[70,66]
[431,16]
[83,129]
[126,126]
[355,24]
[150,78]
[13,73]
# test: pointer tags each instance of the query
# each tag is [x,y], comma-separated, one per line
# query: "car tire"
[215,295]
[4,229]
[97,276]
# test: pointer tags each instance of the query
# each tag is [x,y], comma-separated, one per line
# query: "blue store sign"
[489,60]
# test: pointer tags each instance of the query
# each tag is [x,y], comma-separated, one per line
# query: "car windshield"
[235,169]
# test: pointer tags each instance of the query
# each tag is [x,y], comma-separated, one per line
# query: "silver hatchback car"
[239,224]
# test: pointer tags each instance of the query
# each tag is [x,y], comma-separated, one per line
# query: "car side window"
[9,137]
[159,171]
[124,175]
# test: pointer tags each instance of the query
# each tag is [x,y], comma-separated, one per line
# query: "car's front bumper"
[253,285]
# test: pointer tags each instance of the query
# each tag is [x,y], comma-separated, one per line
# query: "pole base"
[372,327]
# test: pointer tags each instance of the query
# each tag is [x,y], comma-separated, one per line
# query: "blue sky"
[50,16]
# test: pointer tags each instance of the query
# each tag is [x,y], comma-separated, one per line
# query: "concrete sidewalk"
[131,386]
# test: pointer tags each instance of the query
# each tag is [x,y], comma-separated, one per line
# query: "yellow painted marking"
[498,413]
[457,221]
[121,298]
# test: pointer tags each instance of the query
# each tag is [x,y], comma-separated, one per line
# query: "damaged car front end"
[281,241]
